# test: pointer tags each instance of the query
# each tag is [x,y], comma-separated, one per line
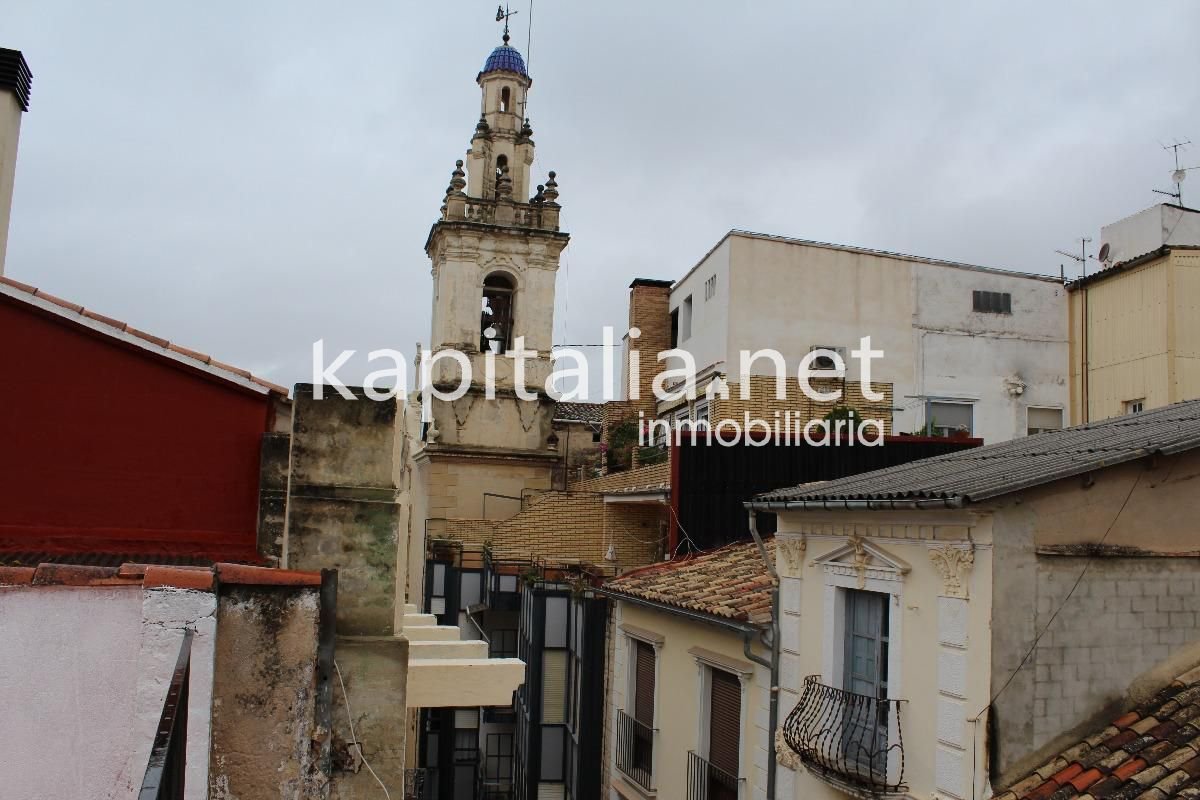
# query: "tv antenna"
[1081,256]
[1178,175]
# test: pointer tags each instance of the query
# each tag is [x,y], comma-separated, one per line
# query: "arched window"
[495,328]
[504,99]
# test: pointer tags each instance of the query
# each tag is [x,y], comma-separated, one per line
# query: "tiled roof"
[731,583]
[592,413]
[998,469]
[115,327]
[505,59]
[154,575]
[1151,752]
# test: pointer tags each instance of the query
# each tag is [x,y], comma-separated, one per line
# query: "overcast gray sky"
[244,178]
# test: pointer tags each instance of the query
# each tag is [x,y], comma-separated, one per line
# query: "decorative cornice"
[953,563]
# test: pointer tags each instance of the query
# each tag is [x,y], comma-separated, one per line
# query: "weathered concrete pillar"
[344,510]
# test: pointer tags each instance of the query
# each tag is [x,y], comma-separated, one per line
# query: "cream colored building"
[1135,324]
[966,347]
[947,624]
[689,670]
[15,81]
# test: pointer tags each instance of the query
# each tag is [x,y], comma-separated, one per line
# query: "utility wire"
[354,736]
[1087,566]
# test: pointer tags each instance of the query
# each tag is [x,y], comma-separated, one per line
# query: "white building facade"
[965,347]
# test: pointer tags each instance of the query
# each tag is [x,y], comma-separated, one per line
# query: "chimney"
[649,312]
[15,80]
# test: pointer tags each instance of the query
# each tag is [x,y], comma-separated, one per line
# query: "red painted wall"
[108,447]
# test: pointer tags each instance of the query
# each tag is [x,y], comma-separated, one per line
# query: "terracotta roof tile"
[731,582]
[1149,753]
[592,413]
[153,576]
[124,327]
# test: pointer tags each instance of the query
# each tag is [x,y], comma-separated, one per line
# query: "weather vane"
[502,13]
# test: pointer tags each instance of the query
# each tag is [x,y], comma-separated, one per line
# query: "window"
[503,644]
[1135,406]
[685,320]
[643,683]
[1040,420]
[723,732]
[498,764]
[497,319]
[710,288]
[949,417]
[991,302]
[635,724]
[825,361]
[701,411]
[865,673]
[675,329]
[505,99]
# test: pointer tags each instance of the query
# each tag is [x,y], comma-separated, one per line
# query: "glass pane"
[951,415]
[439,579]
[472,585]
[552,753]
[437,605]
[556,621]
[554,686]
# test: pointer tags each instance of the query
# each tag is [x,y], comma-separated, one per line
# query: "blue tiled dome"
[505,59]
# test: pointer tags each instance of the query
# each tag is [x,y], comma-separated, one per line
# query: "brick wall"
[569,526]
[649,312]
[762,403]
[653,475]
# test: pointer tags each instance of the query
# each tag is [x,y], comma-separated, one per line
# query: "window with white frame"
[714,770]
[1135,406]
[1040,420]
[950,417]
[635,723]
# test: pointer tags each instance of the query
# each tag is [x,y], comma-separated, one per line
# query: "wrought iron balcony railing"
[851,739]
[635,750]
[416,783]
[706,781]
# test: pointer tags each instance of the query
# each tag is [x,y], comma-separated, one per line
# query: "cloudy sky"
[245,178]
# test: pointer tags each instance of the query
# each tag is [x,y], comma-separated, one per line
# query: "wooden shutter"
[643,690]
[724,721]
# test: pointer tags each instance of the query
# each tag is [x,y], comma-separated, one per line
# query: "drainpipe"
[773,716]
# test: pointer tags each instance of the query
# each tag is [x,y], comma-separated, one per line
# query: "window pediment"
[863,559]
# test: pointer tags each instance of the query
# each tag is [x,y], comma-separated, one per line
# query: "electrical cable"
[354,736]
[1087,565]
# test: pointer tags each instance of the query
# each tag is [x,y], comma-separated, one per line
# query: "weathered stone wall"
[272,494]
[266,737]
[344,510]
[374,670]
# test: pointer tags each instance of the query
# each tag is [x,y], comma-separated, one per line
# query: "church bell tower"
[495,252]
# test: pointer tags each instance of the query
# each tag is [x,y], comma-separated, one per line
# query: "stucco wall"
[678,697]
[939,648]
[82,681]
[264,724]
[709,340]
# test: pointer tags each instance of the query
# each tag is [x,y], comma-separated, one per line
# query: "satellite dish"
[1104,252]
[1178,175]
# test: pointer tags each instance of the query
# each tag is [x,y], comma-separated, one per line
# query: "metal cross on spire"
[502,13]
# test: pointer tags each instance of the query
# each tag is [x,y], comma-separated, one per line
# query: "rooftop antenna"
[502,13]
[1082,256]
[1178,175]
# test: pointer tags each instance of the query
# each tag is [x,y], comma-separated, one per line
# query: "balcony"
[635,750]
[706,781]
[852,741]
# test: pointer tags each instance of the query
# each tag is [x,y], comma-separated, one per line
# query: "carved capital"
[792,553]
[953,563]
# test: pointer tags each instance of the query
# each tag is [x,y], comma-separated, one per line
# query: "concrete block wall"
[1127,617]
